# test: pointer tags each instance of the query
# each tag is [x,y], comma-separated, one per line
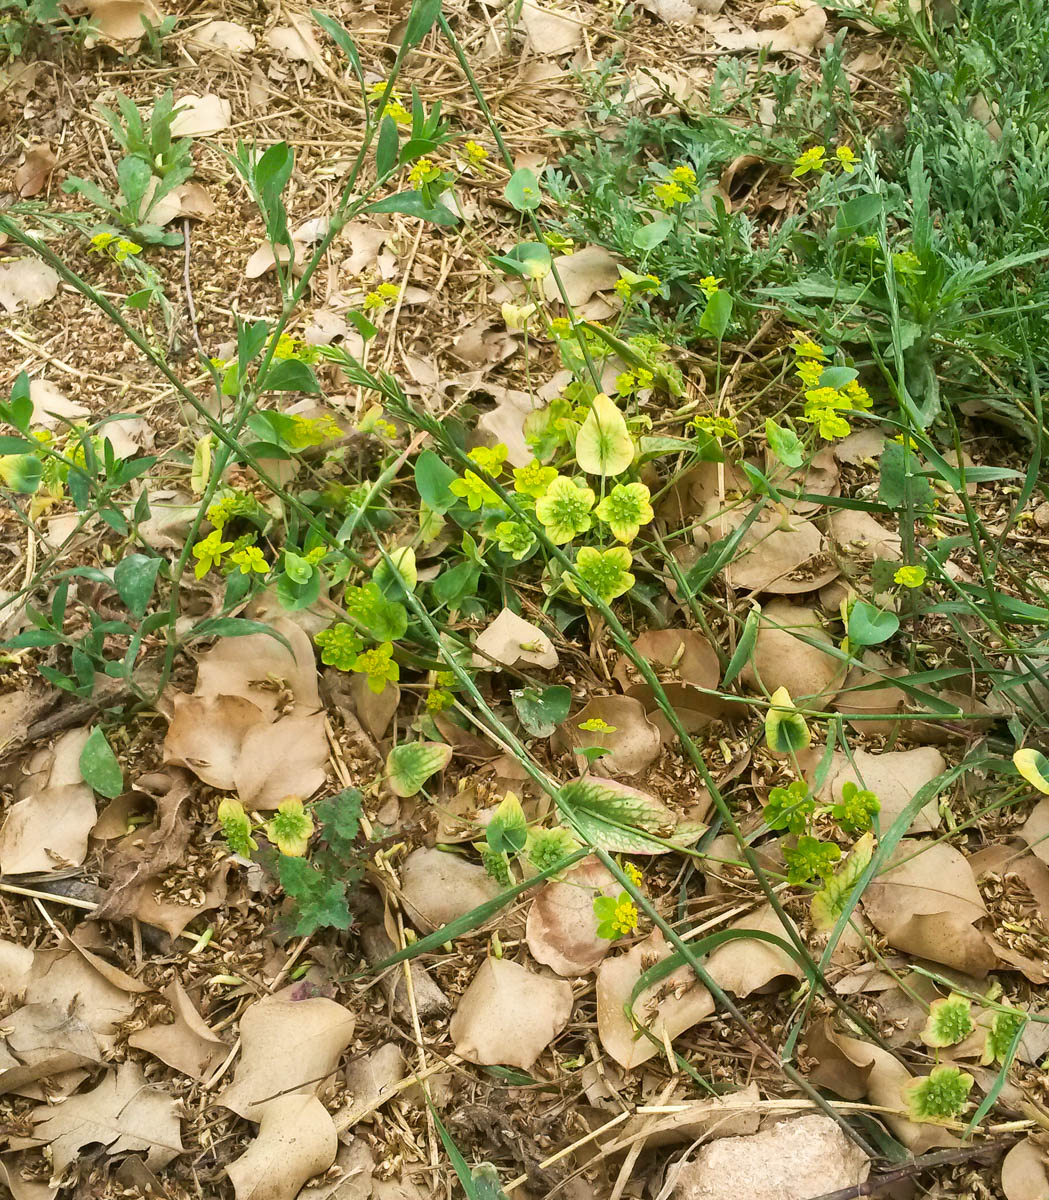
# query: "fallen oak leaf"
[187,1044]
[32,176]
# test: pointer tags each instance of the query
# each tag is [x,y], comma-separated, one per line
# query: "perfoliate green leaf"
[409,766]
[507,831]
[522,190]
[950,1021]
[99,766]
[236,827]
[616,817]
[939,1097]
[21,472]
[785,728]
[784,444]
[540,712]
[383,619]
[290,828]
[1034,767]
[397,574]
[829,902]
[869,626]
[604,445]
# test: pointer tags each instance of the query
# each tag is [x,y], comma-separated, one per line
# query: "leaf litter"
[251,721]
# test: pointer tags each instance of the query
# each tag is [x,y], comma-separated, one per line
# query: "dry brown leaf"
[859,535]
[296,1140]
[633,742]
[1035,831]
[260,669]
[23,1187]
[505,423]
[187,1044]
[781,28]
[83,985]
[16,963]
[174,913]
[369,1079]
[780,553]
[308,1037]
[191,200]
[32,176]
[296,42]
[667,1008]
[375,710]
[895,777]
[437,887]
[751,965]
[226,36]
[1025,1170]
[206,736]
[509,1015]
[792,1160]
[679,655]
[509,640]
[549,32]
[119,22]
[200,116]
[926,904]
[48,826]
[863,444]
[25,283]
[50,404]
[561,930]
[123,1114]
[868,694]
[783,655]
[589,270]
[43,1040]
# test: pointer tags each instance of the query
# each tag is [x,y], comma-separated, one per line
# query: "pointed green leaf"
[99,766]
[409,766]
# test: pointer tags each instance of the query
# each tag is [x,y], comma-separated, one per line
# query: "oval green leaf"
[604,445]
[409,766]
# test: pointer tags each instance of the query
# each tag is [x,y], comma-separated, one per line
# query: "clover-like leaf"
[603,445]
[829,902]
[236,827]
[785,728]
[939,1097]
[856,811]
[290,827]
[810,858]
[408,766]
[789,807]
[950,1021]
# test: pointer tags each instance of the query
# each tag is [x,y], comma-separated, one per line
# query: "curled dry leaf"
[206,735]
[676,655]
[200,116]
[25,283]
[561,930]
[296,41]
[123,1114]
[437,887]
[550,33]
[54,810]
[926,904]
[225,36]
[1025,1170]
[589,270]
[16,962]
[894,776]
[783,554]
[187,1044]
[751,965]
[509,1015]
[260,669]
[375,710]
[666,1008]
[318,1029]
[296,1140]
[632,740]
[32,176]
[791,1160]
[784,654]
[509,639]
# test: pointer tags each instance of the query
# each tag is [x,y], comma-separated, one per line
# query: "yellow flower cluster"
[815,160]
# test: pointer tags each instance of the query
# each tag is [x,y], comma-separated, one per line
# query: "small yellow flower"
[846,157]
[632,873]
[475,153]
[684,175]
[424,170]
[596,725]
[718,427]
[910,577]
[209,551]
[812,159]
[708,285]
[669,193]
[626,917]
[250,559]
[807,348]
[809,372]
[490,458]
